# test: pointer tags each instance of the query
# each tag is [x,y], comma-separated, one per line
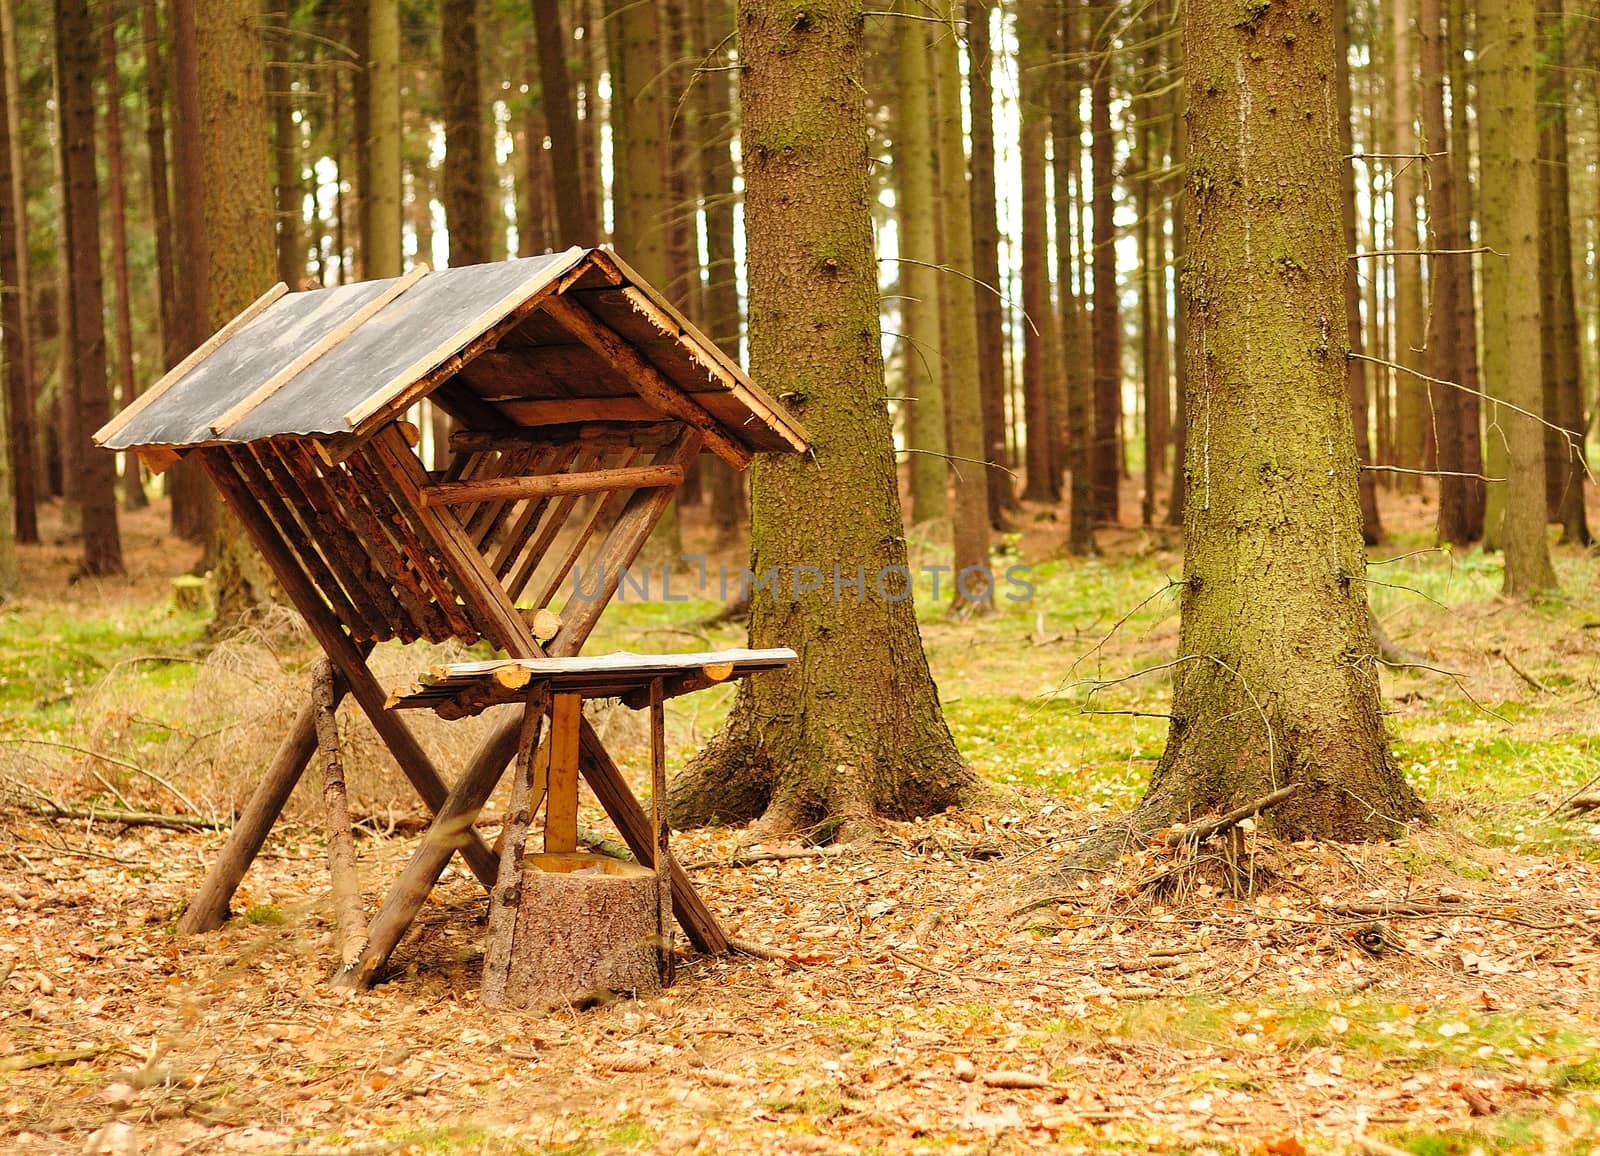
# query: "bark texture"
[1511,338]
[1275,681]
[384,239]
[15,320]
[1105,459]
[466,158]
[853,729]
[574,212]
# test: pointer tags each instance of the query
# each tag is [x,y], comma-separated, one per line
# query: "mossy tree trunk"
[853,729]
[1371,524]
[1275,680]
[239,241]
[917,203]
[1508,119]
[1001,497]
[1039,357]
[961,342]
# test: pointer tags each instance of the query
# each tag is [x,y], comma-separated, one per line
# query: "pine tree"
[574,213]
[1105,460]
[853,729]
[384,241]
[466,154]
[1273,561]
[1038,328]
[16,324]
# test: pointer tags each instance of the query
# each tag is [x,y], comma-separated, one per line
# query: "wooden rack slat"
[547,485]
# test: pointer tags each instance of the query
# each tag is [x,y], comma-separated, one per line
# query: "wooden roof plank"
[317,349]
[176,374]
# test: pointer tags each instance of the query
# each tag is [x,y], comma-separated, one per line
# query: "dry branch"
[1200,832]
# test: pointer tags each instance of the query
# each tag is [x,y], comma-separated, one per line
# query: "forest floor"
[952,987]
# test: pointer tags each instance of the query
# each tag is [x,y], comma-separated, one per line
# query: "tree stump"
[585,930]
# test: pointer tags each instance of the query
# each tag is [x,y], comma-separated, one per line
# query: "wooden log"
[351,922]
[651,384]
[450,831]
[585,930]
[607,436]
[506,897]
[561,807]
[350,660]
[661,830]
[545,624]
[209,907]
[548,485]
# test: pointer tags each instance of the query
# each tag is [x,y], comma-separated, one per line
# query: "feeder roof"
[570,337]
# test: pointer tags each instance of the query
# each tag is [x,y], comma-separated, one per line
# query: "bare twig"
[1203,831]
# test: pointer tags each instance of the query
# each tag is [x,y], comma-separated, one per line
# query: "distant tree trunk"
[466,160]
[238,210]
[590,59]
[1275,682]
[90,397]
[287,186]
[1146,165]
[359,179]
[535,216]
[1563,380]
[729,507]
[1413,396]
[1105,459]
[1180,321]
[1002,501]
[172,329]
[1470,454]
[193,502]
[960,341]
[853,729]
[16,324]
[1034,91]
[1371,524]
[384,245]
[1074,426]
[916,202]
[133,495]
[1511,368]
[574,212]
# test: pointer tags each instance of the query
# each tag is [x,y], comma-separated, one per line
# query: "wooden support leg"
[662,831]
[451,826]
[209,908]
[561,806]
[349,658]
[350,920]
[506,897]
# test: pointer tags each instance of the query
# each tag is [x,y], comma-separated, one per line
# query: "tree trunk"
[384,242]
[1563,380]
[1443,359]
[16,320]
[1105,459]
[466,161]
[1371,525]
[590,60]
[1468,431]
[1511,368]
[172,331]
[1034,91]
[961,342]
[194,507]
[1074,427]
[853,729]
[574,212]
[916,200]
[133,495]
[90,398]
[1180,320]
[1002,501]
[534,188]
[238,209]
[729,507]
[1413,396]
[1276,681]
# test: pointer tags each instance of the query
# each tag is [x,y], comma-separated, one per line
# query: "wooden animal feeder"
[579,397]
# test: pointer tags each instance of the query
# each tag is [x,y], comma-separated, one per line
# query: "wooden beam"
[200,352]
[506,897]
[344,652]
[661,829]
[577,410]
[650,382]
[561,797]
[317,349]
[597,435]
[550,485]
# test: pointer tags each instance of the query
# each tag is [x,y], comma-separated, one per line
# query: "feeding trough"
[580,397]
